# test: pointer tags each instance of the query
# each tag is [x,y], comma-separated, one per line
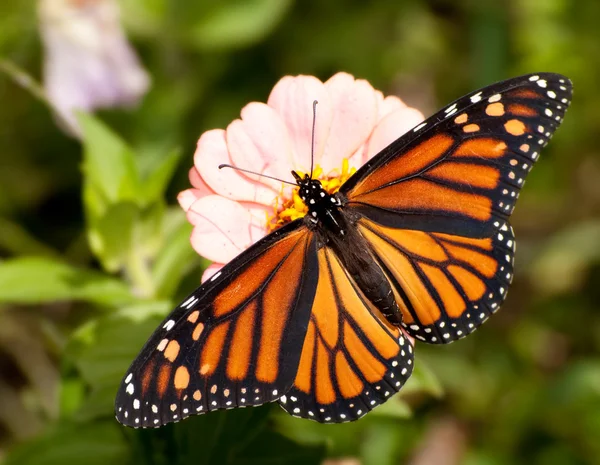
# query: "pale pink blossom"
[231,210]
[88,62]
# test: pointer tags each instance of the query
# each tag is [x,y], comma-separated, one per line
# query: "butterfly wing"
[435,203]
[352,358]
[236,341]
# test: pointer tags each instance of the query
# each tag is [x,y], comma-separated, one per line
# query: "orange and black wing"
[235,342]
[445,285]
[352,358]
[436,202]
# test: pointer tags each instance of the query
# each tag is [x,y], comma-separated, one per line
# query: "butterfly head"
[311,191]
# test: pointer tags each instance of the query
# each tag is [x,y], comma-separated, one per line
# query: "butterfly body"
[314,315]
[337,229]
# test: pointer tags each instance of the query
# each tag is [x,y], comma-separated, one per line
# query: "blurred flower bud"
[88,62]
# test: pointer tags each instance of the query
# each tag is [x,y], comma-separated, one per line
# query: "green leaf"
[111,234]
[564,260]
[109,163]
[232,437]
[236,23]
[174,260]
[155,184]
[393,408]
[423,379]
[93,444]
[33,280]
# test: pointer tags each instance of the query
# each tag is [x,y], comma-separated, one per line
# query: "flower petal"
[292,98]
[391,128]
[211,152]
[187,197]
[259,142]
[223,227]
[354,104]
[390,104]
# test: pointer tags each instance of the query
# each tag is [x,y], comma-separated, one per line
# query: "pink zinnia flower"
[231,210]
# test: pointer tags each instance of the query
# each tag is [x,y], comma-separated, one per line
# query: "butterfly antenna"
[312,145]
[225,165]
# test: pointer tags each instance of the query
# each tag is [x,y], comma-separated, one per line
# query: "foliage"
[95,250]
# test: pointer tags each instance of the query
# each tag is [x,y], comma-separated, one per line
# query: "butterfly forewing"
[352,359]
[235,341]
[458,174]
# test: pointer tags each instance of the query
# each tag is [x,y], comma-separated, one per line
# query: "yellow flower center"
[286,210]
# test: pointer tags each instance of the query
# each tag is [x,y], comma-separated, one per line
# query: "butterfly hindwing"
[435,204]
[236,341]
[446,285]
[352,358]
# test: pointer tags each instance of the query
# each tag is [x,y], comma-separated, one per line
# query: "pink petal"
[211,270]
[197,181]
[391,128]
[223,227]
[354,104]
[259,142]
[292,98]
[211,152]
[187,197]
[390,104]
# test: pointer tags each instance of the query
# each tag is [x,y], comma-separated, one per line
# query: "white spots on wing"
[476,97]
[419,127]
[450,108]
[534,78]
[191,299]
[154,409]
[192,303]
[169,325]
[548,112]
[129,376]
[162,344]
[283,399]
[542,83]
[215,276]
[495,98]
[551,94]
[130,389]
[136,404]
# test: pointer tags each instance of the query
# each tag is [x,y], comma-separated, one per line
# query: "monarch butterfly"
[310,316]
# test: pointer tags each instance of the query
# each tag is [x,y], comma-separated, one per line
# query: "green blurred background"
[95,249]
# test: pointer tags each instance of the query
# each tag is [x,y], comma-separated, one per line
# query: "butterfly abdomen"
[355,254]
